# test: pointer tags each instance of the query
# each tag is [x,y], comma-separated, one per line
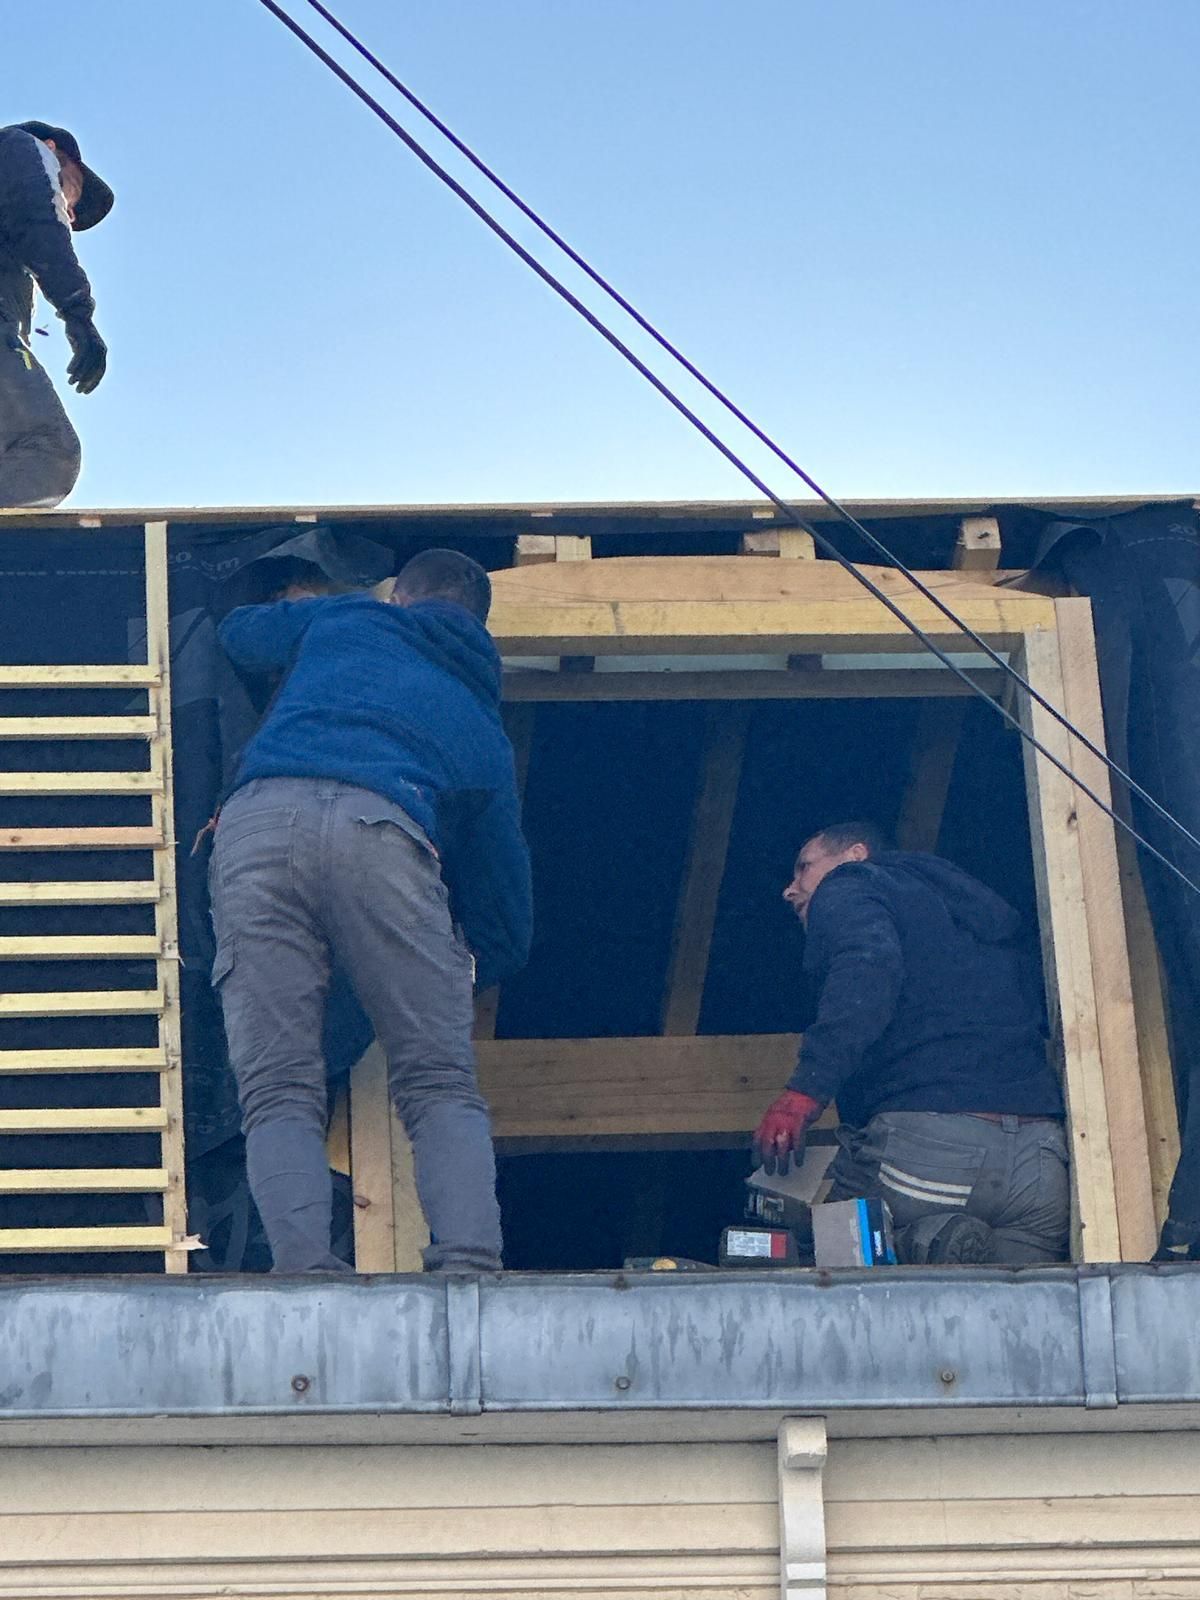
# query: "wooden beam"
[119,892]
[978,545]
[931,766]
[83,1180]
[1106,933]
[67,677]
[82,1003]
[900,683]
[166,918]
[337,1140]
[81,839]
[533,548]
[76,947]
[82,1241]
[1067,961]
[704,865]
[99,1119]
[1153,1032]
[725,604]
[72,783]
[76,1061]
[77,727]
[411,1229]
[371,1164]
[563,1088]
[790,543]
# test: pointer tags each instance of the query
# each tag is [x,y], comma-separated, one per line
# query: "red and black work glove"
[89,352]
[780,1137]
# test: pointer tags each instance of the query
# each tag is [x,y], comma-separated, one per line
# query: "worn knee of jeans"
[422,1089]
[269,1096]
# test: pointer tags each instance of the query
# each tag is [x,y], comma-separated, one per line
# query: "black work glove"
[90,353]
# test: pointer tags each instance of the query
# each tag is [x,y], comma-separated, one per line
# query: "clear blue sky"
[937,246]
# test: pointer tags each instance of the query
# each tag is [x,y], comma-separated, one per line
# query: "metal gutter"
[1068,1337]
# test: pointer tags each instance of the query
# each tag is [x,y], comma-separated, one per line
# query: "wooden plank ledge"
[706,1084]
[81,839]
[73,783]
[899,683]
[75,1241]
[84,1180]
[78,727]
[84,1003]
[98,1119]
[118,892]
[72,947]
[68,677]
[77,1061]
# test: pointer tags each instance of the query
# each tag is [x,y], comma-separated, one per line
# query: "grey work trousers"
[1011,1174]
[304,872]
[39,449]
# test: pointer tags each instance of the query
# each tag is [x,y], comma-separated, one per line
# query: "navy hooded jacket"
[927,1000]
[404,701]
[35,236]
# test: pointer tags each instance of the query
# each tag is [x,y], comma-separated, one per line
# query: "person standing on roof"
[374,823]
[928,1035]
[46,193]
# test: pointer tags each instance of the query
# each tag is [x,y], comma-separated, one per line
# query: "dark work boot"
[1180,1241]
[945,1241]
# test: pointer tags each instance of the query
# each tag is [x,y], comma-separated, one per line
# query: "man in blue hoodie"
[928,1035]
[374,823]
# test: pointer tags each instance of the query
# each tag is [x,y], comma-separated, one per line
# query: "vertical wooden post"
[1067,960]
[704,865]
[166,911]
[1106,931]
[371,1164]
[978,545]
[1153,1033]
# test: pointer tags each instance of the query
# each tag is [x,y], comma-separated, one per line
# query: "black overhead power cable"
[736,411]
[752,477]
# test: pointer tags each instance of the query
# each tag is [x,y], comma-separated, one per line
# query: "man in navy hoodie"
[928,1035]
[374,823]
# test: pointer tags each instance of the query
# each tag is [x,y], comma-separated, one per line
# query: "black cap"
[96,201]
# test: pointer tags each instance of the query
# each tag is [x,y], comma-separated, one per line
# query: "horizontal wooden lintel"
[83,1180]
[80,839]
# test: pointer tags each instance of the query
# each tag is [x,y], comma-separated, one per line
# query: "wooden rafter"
[726,726]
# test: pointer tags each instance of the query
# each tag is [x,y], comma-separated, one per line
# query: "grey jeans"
[39,449]
[1012,1174]
[303,872]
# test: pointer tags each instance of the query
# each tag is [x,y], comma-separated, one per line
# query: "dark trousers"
[305,872]
[930,1165]
[39,449]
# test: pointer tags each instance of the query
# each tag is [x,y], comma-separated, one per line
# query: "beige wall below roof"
[1043,1517]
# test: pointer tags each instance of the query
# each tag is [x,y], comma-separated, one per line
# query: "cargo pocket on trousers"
[222,963]
[919,1174]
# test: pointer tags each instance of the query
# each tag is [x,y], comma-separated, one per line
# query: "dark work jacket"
[404,701]
[926,997]
[35,238]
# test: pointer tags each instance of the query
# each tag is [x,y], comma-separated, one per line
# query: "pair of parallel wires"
[787,511]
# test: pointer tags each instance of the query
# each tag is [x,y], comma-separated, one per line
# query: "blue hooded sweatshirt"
[404,701]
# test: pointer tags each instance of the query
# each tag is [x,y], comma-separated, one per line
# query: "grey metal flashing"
[930,1341]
